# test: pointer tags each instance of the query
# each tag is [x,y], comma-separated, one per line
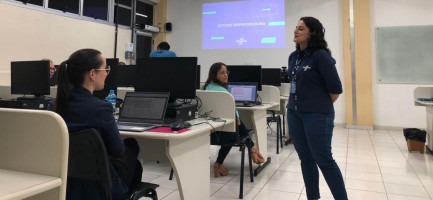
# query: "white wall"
[393,103]
[185,38]
[30,34]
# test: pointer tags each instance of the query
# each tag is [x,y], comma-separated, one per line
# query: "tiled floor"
[375,164]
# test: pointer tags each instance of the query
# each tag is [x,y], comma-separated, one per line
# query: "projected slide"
[244,24]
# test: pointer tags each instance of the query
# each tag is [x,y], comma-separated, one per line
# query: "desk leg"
[189,158]
[257,120]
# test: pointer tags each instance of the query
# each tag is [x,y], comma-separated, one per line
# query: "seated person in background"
[84,72]
[163,50]
[52,68]
[217,81]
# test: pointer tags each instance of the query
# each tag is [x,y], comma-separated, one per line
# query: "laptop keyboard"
[134,124]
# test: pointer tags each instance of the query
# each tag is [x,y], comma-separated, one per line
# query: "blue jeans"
[311,134]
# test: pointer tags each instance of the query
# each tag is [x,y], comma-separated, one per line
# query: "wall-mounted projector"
[151,28]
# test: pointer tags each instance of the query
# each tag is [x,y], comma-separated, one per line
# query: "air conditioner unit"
[151,28]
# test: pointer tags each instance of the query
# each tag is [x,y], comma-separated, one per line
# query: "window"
[100,9]
[71,6]
[123,17]
[96,9]
[144,13]
[34,2]
[125,2]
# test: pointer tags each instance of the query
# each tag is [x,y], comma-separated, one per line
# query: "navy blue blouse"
[316,77]
[86,111]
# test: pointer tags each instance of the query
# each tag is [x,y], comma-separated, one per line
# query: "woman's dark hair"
[164,46]
[317,34]
[71,74]
[213,73]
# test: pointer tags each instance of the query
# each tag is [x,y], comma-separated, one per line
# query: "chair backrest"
[88,158]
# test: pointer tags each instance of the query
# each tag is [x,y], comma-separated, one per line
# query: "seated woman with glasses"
[217,81]
[52,67]
[84,72]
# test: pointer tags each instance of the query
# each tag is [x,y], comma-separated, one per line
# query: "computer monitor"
[55,79]
[175,75]
[271,76]
[110,81]
[246,73]
[30,77]
[126,75]
[243,92]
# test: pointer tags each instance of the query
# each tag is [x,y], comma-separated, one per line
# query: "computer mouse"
[180,125]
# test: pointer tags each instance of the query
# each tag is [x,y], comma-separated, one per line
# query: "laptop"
[245,93]
[142,111]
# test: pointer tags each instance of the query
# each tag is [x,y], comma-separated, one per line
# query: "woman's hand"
[238,122]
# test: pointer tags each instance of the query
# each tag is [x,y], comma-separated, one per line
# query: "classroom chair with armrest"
[88,160]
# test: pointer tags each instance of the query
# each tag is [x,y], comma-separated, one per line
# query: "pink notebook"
[167,130]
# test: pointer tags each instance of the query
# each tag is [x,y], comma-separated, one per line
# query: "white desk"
[187,152]
[255,117]
[284,100]
[421,93]
[33,155]
[20,185]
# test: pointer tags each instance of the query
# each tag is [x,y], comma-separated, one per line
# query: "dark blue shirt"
[316,78]
[86,111]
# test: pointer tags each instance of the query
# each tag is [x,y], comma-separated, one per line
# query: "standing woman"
[84,72]
[315,86]
[217,81]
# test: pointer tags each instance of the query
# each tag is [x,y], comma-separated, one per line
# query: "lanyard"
[295,69]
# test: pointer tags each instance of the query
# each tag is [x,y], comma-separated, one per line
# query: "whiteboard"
[405,54]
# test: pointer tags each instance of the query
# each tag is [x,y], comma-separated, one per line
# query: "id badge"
[292,87]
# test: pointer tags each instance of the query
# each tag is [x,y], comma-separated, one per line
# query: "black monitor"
[110,81]
[197,85]
[55,79]
[126,75]
[271,76]
[30,77]
[246,73]
[175,75]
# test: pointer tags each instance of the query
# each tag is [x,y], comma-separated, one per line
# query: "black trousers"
[127,166]
[227,139]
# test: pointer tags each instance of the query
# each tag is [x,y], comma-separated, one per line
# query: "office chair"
[276,118]
[88,161]
[241,142]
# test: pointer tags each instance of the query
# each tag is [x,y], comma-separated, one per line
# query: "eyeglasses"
[227,72]
[107,69]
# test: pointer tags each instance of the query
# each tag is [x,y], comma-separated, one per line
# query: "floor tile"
[375,165]
[406,190]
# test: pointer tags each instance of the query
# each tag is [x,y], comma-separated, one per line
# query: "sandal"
[256,156]
[219,170]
